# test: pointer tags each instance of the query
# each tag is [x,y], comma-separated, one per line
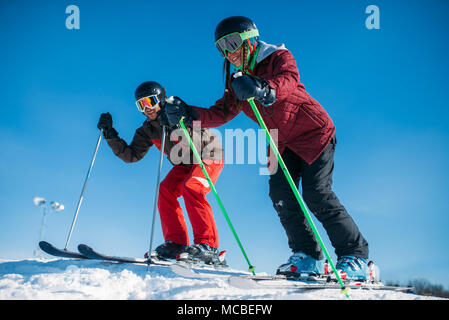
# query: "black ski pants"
[321,201]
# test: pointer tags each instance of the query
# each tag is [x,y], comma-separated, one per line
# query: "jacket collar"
[266,50]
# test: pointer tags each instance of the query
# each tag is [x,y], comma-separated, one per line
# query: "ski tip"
[46,246]
[64,253]
[43,244]
[84,246]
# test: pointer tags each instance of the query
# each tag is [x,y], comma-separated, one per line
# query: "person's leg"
[324,204]
[200,213]
[300,236]
[172,219]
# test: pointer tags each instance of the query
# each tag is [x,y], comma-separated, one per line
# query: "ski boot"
[301,265]
[352,268]
[203,253]
[167,251]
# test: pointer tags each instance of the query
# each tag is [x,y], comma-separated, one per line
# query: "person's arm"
[285,74]
[215,115]
[134,151]
[175,109]
[282,82]
[128,153]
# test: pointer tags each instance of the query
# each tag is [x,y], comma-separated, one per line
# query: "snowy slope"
[87,279]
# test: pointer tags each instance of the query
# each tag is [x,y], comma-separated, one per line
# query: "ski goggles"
[147,102]
[231,42]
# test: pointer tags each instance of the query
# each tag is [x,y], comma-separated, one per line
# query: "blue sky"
[386,91]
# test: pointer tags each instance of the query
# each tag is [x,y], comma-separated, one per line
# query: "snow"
[68,279]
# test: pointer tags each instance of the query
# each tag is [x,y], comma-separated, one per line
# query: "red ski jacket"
[302,123]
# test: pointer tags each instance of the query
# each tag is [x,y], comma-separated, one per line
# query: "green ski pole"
[251,268]
[296,192]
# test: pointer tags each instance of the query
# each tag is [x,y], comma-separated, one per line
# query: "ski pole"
[84,189]
[157,191]
[296,192]
[251,268]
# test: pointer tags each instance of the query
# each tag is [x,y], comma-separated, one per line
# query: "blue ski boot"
[300,264]
[352,268]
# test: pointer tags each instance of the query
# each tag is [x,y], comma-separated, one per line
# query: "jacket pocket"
[312,116]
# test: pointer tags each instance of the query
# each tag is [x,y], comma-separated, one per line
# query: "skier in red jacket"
[306,141]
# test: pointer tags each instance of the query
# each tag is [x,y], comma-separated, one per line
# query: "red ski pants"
[192,185]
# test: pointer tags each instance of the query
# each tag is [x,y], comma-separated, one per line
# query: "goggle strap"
[243,35]
[249,34]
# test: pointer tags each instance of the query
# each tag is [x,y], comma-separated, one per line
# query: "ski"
[249,281]
[246,283]
[207,271]
[52,250]
[92,254]
[187,272]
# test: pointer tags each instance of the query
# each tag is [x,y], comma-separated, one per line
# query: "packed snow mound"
[70,279]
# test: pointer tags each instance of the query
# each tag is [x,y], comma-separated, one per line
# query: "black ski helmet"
[234,24]
[150,88]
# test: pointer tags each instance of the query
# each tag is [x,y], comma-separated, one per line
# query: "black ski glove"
[163,120]
[105,124]
[247,86]
[175,109]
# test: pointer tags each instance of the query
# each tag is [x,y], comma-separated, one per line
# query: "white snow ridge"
[66,279]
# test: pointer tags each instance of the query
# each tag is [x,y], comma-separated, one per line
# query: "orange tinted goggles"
[147,102]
